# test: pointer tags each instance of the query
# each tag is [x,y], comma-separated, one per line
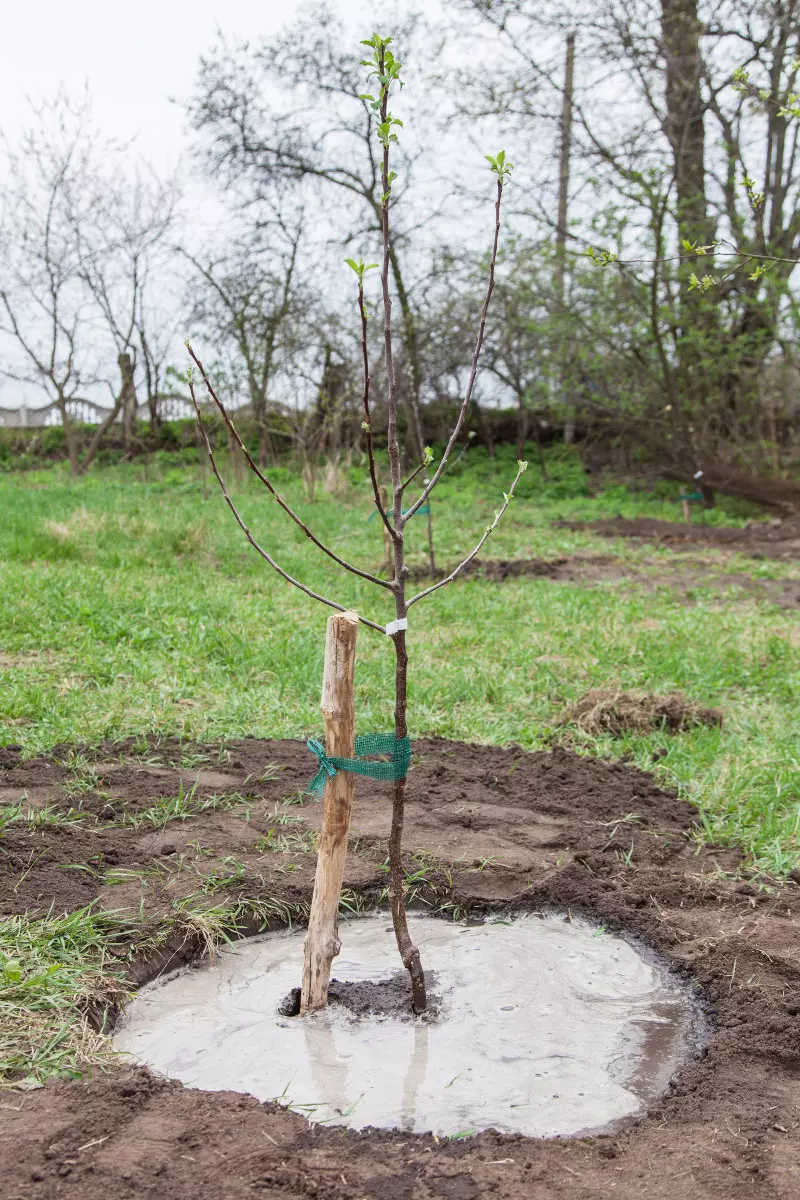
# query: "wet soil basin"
[490,831]
[539,1025]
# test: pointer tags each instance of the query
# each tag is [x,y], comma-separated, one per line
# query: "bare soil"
[683,577]
[760,539]
[390,997]
[494,828]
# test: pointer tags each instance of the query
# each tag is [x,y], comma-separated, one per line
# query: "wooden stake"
[322,940]
[687,512]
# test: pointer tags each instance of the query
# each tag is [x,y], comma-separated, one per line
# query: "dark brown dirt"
[373,997]
[493,828]
[605,710]
[65,865]
[760,539]
[684,578]
[500,569]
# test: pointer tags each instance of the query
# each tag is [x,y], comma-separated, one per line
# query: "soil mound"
[604,710]
[569,570]
[372,998]
[488,829]
[591,570]
[760,539]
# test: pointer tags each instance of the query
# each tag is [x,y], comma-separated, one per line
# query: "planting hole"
[542,1026]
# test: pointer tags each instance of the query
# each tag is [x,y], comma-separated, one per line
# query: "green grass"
[179,808]
[50,972]
[59,972]
[134,606]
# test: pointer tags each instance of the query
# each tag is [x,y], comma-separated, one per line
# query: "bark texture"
[322,940]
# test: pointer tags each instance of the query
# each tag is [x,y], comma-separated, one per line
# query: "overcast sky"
[134,57]
[140,64]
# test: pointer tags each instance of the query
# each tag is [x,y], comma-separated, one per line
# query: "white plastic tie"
[395,626]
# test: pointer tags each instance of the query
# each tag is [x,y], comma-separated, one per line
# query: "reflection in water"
[415,1077]
[546,1027]
[328,1069]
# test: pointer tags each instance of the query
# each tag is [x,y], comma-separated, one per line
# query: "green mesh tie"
[424,508]
[370,743]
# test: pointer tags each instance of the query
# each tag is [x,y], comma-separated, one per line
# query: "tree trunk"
[685,129]
[151,381]
[484,427]
[680,29]
[69,435]
[565,152]
[415,418]
[540,453]
[155,419]
[408,951]
[128,394]
[309,474]
[387,541]
[97,438]
[322,940]
[265,447]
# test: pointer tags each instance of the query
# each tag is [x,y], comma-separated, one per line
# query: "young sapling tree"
[386,70]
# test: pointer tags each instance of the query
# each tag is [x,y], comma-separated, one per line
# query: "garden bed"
[684,578]
[154,825]
[761,539]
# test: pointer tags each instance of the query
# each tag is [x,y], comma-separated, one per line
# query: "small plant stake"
[322,941]
[686,499]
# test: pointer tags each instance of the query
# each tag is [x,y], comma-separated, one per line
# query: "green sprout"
[702,285]
[360,268]
[499,167]
[601,258]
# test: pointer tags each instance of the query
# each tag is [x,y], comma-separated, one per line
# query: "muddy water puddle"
[546,1026]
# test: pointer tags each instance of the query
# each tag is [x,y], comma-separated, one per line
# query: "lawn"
[133,605]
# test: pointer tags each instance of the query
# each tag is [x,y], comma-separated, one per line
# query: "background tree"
[682,121]
[45,317]
[319,135]
[81,229]
[249,301]
[161,318]
[121,248]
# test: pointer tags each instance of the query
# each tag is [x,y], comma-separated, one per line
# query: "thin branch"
[426,491]
[270,488]
[267,557]
[412,476]
[693,255]
[391,382]
[507,498]
[367,416]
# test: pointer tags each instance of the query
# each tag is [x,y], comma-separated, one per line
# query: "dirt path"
[492,828]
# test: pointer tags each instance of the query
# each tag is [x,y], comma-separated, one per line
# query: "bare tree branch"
[507,498]
[264,479]
[245,530]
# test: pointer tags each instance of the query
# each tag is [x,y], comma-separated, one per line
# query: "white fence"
[170,408]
